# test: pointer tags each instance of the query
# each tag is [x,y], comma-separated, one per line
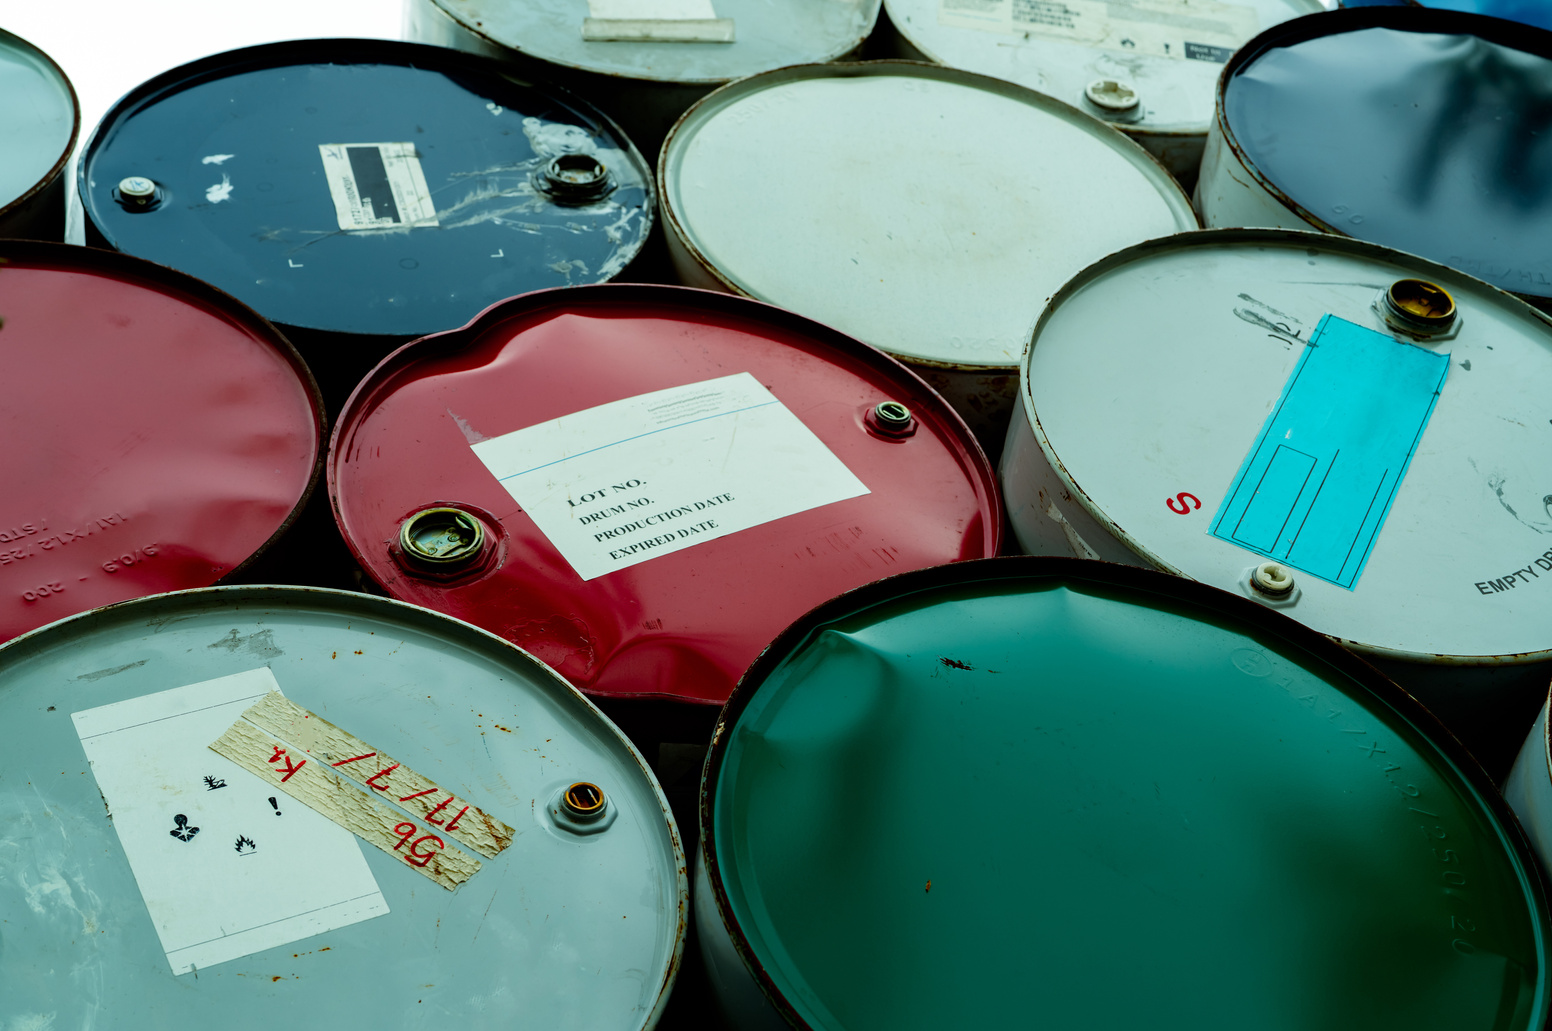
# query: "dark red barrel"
[157,433]
[642,485]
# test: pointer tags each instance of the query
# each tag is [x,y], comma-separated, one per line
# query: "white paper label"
[653,474]
[1185,30]
[654,10]
[377,185]
[227,867]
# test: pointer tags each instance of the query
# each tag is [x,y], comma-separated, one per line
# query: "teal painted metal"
[560,930]
[1055,793]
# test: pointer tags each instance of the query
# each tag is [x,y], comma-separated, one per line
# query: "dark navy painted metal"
[1530,12]
[1426,131]
[232,142]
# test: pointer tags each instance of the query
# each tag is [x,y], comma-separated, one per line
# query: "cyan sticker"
[1316,487]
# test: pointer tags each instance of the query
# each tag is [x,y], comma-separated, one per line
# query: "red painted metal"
[684,625]
[157,434]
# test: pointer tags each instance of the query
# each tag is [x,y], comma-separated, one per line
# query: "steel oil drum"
[39,120]
[1107,798]
[645,61]
[1416,129]
[158,434]
[251,807]
[641,485]
[927,211]
[361,193]
[1529,789]
[1148,67]
[1348,434]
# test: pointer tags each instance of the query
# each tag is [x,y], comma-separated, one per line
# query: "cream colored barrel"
[927,211]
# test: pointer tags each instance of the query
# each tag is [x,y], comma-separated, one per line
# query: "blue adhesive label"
[1316,487]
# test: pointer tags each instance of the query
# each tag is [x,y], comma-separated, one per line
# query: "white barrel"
[1528,791]
[645,61]
[1160,57]
[1239,400]
[39,121]
[927,211]
[1422,130]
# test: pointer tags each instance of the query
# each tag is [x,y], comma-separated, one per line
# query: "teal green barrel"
[1071,795]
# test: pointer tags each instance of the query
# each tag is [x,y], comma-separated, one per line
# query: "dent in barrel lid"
[157,433]
[39,120]
[1365,421]
[365,187]
[252,808]
[1110,797]
[1440,120]
[642,485]
[1146,66]
[927,211]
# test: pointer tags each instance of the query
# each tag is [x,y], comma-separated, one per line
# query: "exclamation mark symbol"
[275,805]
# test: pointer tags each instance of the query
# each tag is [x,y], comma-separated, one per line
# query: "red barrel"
[642,485]
[158,434]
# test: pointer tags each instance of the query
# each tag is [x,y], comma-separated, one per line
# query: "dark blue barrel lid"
[365,186]
[1531,12]
[1426,131]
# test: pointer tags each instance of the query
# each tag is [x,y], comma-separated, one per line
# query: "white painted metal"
[1230,193]
[927,211]
[643,85]
[1127,411]
[1152,373]
[1529,790]
[1060,48]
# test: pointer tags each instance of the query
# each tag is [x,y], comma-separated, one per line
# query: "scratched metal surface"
[161,437]
[233,140]
[1170,808]
[558,931]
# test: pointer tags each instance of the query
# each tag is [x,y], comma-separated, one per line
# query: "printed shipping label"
[377,185]
[1183,30]
[226,866]
[1319,480]
[653,474]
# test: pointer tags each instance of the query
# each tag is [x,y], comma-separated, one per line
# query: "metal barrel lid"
[158,434]
[365,187]
[146,877]
[1439,117]
[1288,407]
[39,121]
[1148,68]
[662,478]
[702,42]
[1530,12]
[1112,798]
[927,211]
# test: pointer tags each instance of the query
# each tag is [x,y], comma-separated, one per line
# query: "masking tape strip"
[360,762]
[318,787]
